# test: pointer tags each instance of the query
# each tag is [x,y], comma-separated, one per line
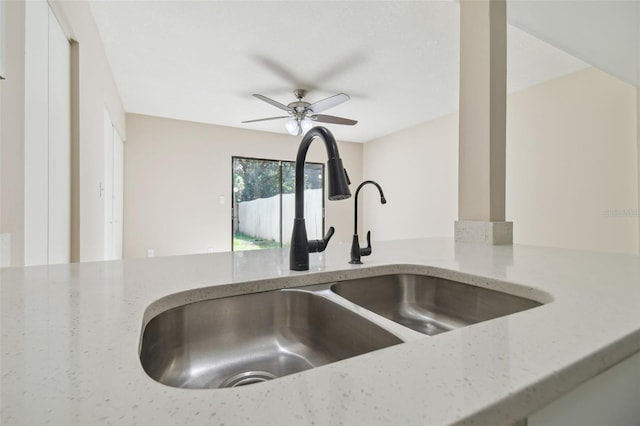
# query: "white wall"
[418,171]
[572,156]
[176,171]
[572,163]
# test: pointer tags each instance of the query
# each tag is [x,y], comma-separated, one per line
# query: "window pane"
[256,196]
[264,202]
[313,200]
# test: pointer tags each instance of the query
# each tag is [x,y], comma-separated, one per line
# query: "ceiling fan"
[302,114]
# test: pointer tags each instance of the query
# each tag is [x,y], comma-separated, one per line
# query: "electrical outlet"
[150,253]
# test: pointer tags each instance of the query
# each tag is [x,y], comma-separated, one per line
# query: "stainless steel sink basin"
[252,338]
[428,304]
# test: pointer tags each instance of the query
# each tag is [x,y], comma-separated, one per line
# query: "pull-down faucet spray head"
[338,180]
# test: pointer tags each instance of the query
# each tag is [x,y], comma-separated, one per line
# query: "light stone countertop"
[71,333]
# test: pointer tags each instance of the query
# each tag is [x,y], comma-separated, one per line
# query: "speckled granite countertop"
[70,338]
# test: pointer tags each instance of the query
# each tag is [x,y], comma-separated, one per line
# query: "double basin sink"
[252,338]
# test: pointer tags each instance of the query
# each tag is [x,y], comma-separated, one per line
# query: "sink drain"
[247,378]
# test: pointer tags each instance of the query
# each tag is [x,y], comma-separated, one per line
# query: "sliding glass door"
[264,202]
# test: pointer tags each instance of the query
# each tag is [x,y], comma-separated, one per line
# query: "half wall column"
[482,128]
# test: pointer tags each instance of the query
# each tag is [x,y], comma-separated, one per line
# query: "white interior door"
[47,180]
[2,37]
[118,194]
[113,188]
[36,134]
[59,249]
[107,187]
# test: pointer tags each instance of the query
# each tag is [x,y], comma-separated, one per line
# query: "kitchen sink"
[256,337]
[240,340]
[427,304]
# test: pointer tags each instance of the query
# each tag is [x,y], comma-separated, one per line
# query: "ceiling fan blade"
[274,103]
[329,102]
[333,119]
[265,119]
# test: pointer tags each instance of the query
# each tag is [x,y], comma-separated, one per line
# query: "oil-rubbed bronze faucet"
[338,190]
[356,251]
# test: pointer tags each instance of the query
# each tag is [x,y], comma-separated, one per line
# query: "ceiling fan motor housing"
[299,107]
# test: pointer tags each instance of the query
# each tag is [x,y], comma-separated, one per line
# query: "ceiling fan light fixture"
[292,127]
[306,125]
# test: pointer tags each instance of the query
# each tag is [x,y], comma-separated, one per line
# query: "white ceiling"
[604,33]
[202,60]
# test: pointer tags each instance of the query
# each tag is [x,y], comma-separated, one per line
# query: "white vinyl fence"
[260,218]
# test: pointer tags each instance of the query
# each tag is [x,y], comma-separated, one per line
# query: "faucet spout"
[338,190]
[356,251]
